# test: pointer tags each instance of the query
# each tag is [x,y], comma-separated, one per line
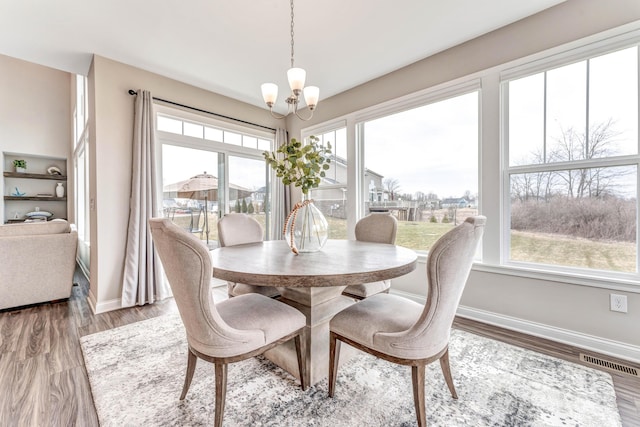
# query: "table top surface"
[338,263]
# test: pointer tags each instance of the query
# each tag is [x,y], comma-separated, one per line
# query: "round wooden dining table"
[312,283]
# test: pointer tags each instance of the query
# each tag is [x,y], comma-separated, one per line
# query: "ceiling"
[233,46]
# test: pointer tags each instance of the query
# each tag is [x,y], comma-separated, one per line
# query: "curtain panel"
[142,281]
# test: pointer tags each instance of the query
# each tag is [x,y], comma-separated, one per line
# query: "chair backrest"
[448,266]
[187,264]
[377,228]
[238,229]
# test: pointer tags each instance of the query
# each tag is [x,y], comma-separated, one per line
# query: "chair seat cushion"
[382,313]
[235,289]
[255,311]
[366,290]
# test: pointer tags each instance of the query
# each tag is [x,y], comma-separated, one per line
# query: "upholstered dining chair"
[402,331]
[376,228]
[238,229]
[230,331]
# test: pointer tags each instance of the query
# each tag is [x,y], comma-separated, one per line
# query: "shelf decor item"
[20,165]
[306,229]
[54,170]
[59,190]
[18,193]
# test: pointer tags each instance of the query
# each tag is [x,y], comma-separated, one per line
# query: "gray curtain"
[281,199]
[142,282]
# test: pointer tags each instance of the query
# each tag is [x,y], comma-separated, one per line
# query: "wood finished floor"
[43,381]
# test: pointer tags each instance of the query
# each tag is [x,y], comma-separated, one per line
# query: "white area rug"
[137,371]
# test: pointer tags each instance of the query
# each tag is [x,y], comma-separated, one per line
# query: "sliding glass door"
[209,171]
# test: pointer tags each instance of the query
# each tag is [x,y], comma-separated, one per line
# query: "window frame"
[354,123]
[584,52]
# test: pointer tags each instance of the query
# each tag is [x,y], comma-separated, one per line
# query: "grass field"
[528,247]
[525,246]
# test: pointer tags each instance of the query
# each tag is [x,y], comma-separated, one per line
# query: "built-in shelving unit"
[34,184]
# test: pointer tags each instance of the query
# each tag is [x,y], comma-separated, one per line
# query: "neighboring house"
[455,203]
[334,187]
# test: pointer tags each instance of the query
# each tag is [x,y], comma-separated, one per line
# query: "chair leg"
[417,378]
[302,367]
[334,358]
[221,392]
[192,359]
[446,371]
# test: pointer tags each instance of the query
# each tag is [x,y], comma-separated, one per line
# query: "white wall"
[111,110]
[35,115]
[553,307]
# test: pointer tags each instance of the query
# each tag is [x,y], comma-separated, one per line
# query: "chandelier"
[296,77]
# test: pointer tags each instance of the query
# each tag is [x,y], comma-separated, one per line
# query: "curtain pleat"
[142,281]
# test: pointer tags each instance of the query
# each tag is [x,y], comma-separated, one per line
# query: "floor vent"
[629,370]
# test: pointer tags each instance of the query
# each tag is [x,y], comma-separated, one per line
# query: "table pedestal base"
[319,305]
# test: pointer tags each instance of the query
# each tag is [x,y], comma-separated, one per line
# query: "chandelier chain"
[291,33]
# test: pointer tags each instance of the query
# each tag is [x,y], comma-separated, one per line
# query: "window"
[80,111]
[209,170]
[571,179]
[331,196]
[81,161]
[180,126]
[421,165]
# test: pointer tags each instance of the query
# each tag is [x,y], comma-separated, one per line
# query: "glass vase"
[306,229]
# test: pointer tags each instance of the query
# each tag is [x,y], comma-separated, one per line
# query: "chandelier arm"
[302,118]
[276,115]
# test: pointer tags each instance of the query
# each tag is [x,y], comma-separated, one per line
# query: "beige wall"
[112,113]
[559,309]
[35,115]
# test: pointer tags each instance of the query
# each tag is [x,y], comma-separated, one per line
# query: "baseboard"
[111,305]
[565,336]
[91,300]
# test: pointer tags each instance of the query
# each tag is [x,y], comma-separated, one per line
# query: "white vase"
[59,190]
[306,229]
[21,170]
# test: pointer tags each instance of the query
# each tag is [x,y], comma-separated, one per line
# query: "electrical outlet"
[618,303]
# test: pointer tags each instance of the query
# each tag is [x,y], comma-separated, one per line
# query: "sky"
[431,149]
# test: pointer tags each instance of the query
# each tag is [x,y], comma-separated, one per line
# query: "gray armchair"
[239,229]
[402,331]
[376,228]
[230,331]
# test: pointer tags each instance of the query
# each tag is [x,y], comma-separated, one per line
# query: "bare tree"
[574,145]
[574,183]
[392,185]
[583,201]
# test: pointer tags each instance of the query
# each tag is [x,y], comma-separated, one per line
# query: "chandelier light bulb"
[311,96]
[269,93]
[296,78]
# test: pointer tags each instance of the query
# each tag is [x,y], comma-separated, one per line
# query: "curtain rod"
[133,92]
